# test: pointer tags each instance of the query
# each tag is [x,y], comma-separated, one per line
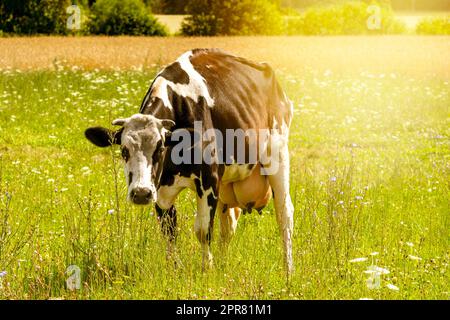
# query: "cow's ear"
[167,124]
[103,137]
[119,122]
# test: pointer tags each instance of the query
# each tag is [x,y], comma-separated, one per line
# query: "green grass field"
[369,180]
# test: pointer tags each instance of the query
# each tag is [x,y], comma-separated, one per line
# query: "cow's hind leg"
[228,222]
[279,181]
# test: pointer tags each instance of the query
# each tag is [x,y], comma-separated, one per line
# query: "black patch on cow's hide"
[212,203]
[157,153]
[175,74]
[125,154]
[130,178]
[198,187]
[168,220]
[212,200]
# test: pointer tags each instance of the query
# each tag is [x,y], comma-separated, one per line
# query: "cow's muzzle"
[141,196]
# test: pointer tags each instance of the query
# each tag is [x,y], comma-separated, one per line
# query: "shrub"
[344,18]
[124,17]
[440,25]
[34,16]
[232,17]
[200,25]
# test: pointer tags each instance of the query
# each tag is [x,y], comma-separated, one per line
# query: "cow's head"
[141,138]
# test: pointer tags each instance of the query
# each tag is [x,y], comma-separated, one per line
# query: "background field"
[370,169]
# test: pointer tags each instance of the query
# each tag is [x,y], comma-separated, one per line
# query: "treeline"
[205,17]
[109,17]
[403,5]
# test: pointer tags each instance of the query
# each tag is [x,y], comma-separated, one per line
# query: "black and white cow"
[222,92]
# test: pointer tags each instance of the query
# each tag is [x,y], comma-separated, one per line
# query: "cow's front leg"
[167,214]
[204,221]
[168,221]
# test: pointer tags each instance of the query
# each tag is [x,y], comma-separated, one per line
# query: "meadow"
[369,148]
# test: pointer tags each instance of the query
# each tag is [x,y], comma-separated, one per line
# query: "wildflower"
[86,171]
[2,274]
[377,270]
[110,211]
[392,287]
[410,244]
[333,179]
[373,282]
[358,260]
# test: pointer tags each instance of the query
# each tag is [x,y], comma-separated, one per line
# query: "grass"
[370,169]
[419,56]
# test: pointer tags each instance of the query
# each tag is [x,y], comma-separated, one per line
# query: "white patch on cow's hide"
[159,90]
[140,168]
[195,89]
[235,172]
[197,84]
[201,226]
[167,194]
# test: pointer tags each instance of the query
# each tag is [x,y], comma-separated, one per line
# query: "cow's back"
[232,92]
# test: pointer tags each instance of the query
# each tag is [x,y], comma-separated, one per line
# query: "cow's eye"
[125,154]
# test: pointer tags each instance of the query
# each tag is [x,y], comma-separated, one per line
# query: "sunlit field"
[370,162]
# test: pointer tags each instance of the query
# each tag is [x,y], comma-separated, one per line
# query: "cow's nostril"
[141,195]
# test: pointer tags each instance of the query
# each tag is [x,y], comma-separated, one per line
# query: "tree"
[232,17]
[120,17]
[34,16]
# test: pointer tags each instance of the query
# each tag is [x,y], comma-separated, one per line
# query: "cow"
[217,92]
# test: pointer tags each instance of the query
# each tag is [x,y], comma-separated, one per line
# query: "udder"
[254,192]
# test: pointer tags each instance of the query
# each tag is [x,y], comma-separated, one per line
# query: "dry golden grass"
[404,54]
